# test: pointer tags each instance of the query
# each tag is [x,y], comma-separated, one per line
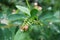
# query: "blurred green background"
[49,17]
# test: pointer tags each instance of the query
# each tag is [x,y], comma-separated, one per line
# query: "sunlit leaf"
[23,9]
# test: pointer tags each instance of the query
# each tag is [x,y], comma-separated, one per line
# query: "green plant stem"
[28,4]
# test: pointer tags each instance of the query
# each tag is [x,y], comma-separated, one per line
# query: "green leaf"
[2,25]
[50,18]
[6,34]
[34,26]
[57,14]
[14,17]
[54,28]
[46,16]
[17,22]
[1,35]
[1,15]
[34,12]
[35,31]
[22,36]
[23,9]
[53,19]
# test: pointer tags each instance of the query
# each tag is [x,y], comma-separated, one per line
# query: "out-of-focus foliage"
[20,20]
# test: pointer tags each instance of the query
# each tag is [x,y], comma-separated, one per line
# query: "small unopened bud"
[13,11]
[24,28]
[39,8]
[35,3]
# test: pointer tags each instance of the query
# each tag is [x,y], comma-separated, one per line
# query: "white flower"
[13,11]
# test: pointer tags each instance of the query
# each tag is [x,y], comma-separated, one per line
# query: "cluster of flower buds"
[37,7]
[24,28]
